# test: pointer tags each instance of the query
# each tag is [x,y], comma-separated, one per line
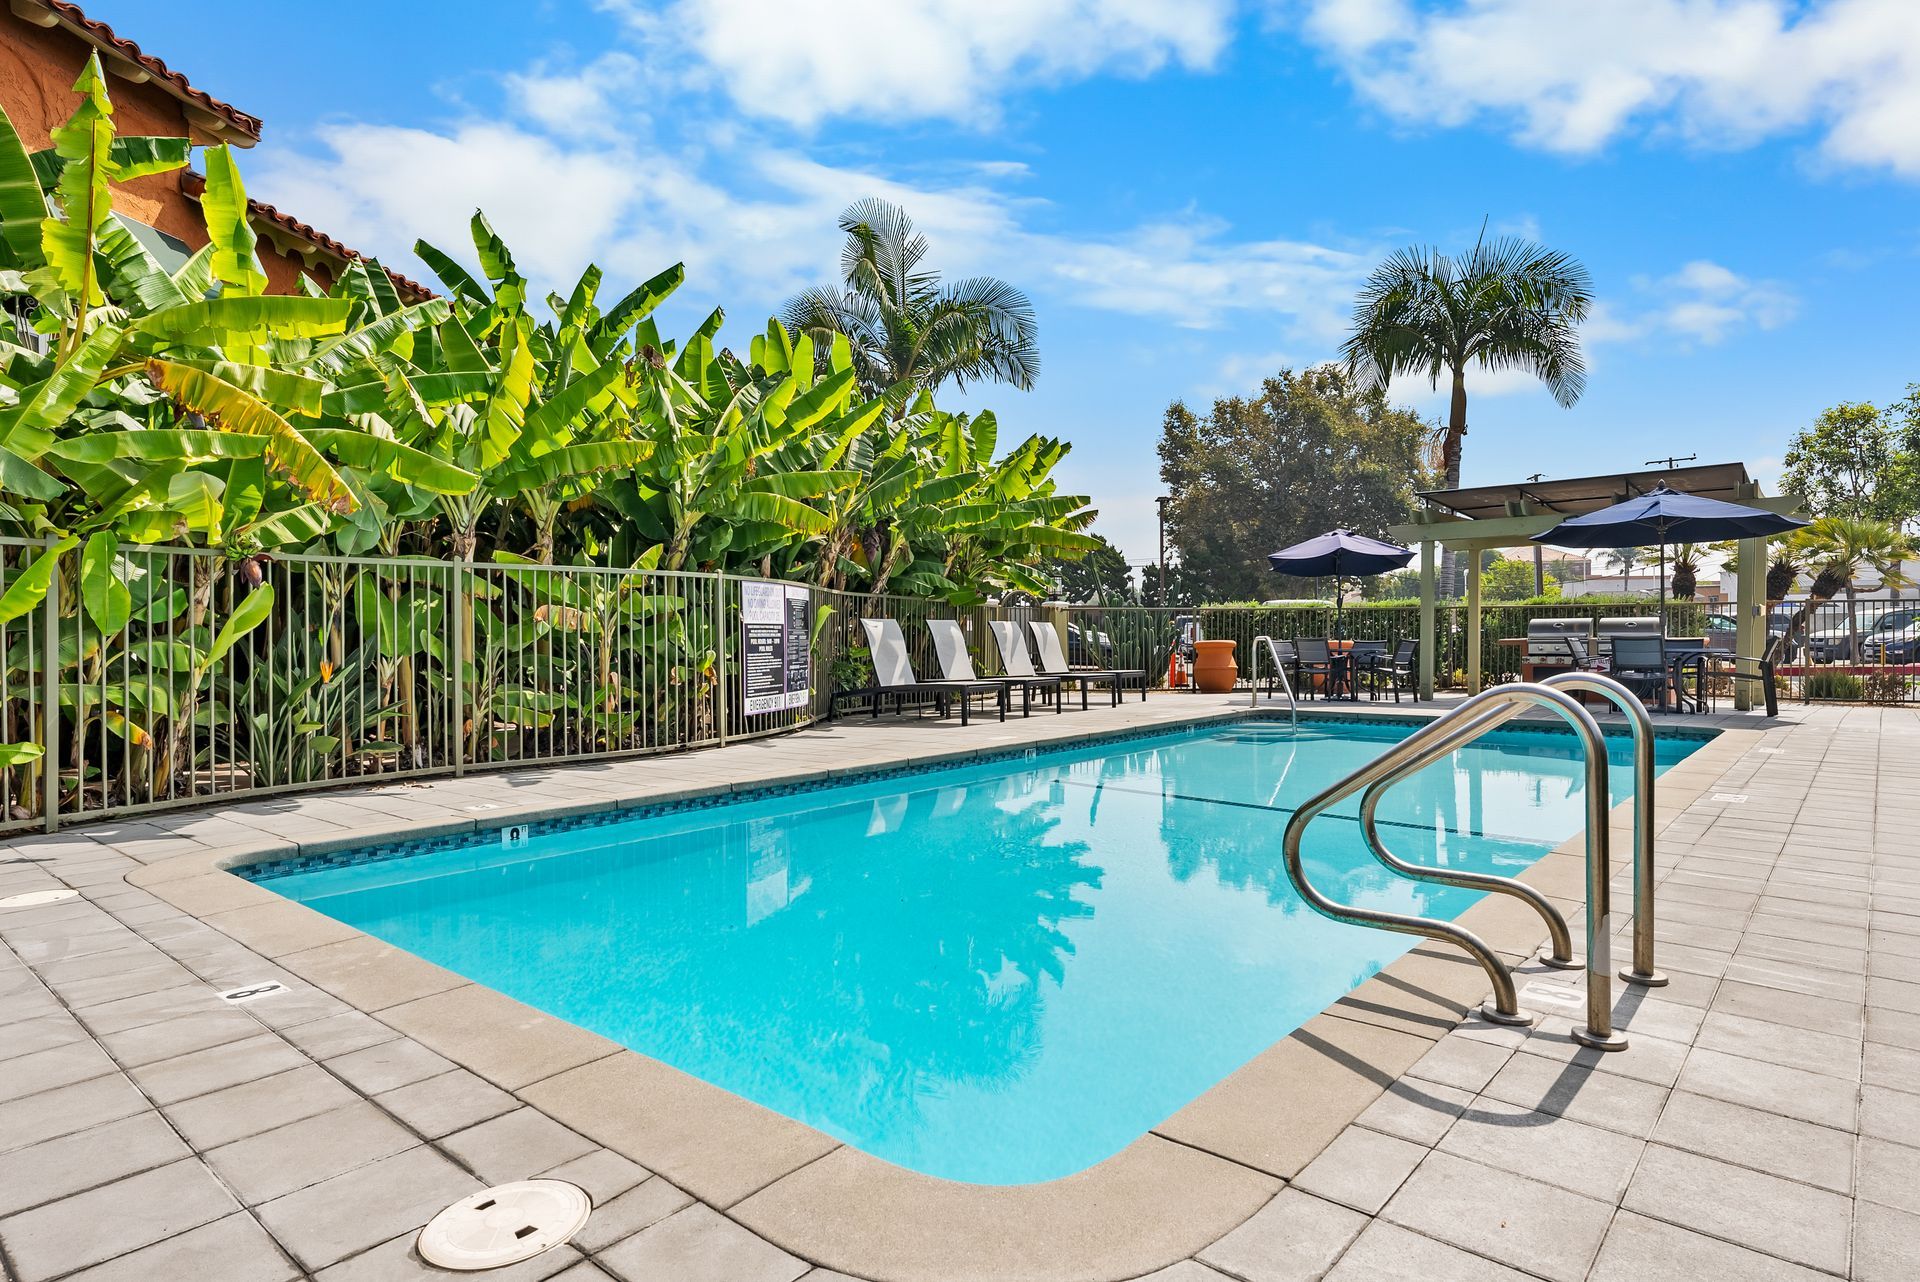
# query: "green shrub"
[1835,685]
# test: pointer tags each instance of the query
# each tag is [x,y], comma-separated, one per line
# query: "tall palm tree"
[1837,549]
[1686,570]
[1507,304]
[903,324]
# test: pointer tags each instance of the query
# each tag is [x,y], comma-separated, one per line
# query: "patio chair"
[1053,663]
[1400,671]
[893,675]
[1017,660]
[1314,660]
[1365,660]
[950,645]
[1640,664]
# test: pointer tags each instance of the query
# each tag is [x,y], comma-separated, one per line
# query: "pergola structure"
[1497,516]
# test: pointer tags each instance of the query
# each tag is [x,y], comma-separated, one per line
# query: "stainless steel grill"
[1547,639]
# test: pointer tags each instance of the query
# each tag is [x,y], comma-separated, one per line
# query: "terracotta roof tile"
[105,37]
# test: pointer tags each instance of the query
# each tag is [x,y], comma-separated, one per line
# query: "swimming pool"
[998,973]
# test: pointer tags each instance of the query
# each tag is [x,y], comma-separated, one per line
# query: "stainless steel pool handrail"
[1642,971]
[1505,1007]
[1253,674]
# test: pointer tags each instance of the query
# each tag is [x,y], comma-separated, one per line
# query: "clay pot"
[1214,670]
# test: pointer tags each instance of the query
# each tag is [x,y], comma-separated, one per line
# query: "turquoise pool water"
[1000,973]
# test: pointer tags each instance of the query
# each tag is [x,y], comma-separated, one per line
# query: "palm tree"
[1626,559]
[1837,549]
[1686,570]
[1508,304]
[903,324]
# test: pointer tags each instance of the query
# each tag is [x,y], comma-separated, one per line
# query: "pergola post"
[1750,616]
[1428,617]
[1474,557]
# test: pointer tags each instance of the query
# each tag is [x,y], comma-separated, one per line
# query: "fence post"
[50,697]
[720,695]
[457,651]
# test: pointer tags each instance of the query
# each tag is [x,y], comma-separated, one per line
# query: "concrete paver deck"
[1765,1122]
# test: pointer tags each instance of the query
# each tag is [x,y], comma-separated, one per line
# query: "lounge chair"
[950,645]
[893,675]
[1018,660]
[1053,663]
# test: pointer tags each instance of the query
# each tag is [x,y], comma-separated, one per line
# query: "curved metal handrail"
[1642,970]
[1253,673]
[1476,713]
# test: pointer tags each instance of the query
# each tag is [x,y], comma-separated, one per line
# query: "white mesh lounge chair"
[1053,662]
[893,675]
[1018,660]
[950,644]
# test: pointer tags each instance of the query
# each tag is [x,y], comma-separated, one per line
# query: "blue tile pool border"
[380,852]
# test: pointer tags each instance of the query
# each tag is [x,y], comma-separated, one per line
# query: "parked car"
[1831,640]
[1721,630]
[1895,638]
[1088,648]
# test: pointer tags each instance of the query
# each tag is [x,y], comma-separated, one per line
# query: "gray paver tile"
[1639,1249]
[380,1068]
[1886,1244]
[59,1167]
[1575,1091]
[59,1066]
[67,1108]
[95,1226]
[349,1213]
[277,1162]
[1461,1062]
[1835,1054]
[396,1260]
[446,1103]
[180,1035]
[1793,1221]
[1767,1142]
[1293,1238]
[603,1173]
[1360,1169]
[1773,1088]
[638,1208]
[1890,1173]
[170,1080]
[699,1245]
[234,1249]
[1386,1251]
[1417,1111]
[1540,1228]
[1891,1114]
[338,1034]
[515,1145]
[239,1111]
[1554,1150]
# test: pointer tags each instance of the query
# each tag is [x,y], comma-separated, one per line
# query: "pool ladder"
[1460,725]
[1280,669]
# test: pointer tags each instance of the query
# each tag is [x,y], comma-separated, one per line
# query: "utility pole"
[1163,500]
[1670,463]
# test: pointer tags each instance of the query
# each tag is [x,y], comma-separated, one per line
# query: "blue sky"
[1189,192]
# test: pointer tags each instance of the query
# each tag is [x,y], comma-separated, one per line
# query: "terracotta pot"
[1214,670]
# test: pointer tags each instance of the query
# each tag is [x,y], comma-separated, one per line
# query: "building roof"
[1573,496]
[223,118]
[260,212]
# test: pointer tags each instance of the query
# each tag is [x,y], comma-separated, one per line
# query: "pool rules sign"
[776,661]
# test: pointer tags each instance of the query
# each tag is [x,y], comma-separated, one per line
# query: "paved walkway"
[1765,1123]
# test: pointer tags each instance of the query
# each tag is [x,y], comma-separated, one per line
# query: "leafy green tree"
[1859,461]
[904,326]
[1510,580]
[1506,304]
[1312,451]
[1102,575]
[1838,549]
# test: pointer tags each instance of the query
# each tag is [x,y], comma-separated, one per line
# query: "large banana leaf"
[390,458]
[29,586]
[570,461]
[224,205]
[134,278]
[27,427]
[375,336]
[458,280]
[235,410]
[158,445]
[277,316]
[634,308]
[103,589]
[22,206]
[84,143]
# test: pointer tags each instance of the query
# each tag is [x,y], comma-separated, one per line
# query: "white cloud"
[1703,302]
[1572,75]
[802,61]
[596,100]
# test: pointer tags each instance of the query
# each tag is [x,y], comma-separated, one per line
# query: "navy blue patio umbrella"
[1662,516]
[1338,553]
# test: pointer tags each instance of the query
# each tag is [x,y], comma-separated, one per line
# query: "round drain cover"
[504,1225]
[34,899]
